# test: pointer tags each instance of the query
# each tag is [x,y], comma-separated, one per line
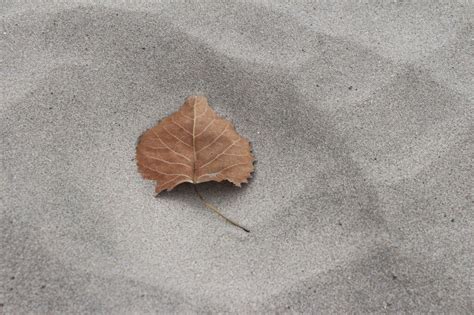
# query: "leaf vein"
[202,114]
[168,147]
[176,137]
[208,125]
[174,178]
[225,168]
[184,129]
[213,141]
[168,162]
[220,154]
[170,174]
[185,115]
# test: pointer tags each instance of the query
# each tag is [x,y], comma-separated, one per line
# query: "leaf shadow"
[212,191]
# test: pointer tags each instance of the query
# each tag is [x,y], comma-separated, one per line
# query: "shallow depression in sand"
[80,125]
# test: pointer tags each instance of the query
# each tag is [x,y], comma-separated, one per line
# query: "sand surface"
[360,116]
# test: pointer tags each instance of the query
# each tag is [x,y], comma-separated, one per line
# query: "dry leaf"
[194,145]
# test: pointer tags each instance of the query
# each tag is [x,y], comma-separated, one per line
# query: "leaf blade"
[196,138]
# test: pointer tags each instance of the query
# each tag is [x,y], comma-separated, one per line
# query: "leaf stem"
[216,210]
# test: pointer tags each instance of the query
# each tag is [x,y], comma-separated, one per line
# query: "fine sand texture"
[360,118]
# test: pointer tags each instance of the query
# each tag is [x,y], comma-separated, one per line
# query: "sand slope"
[360,118]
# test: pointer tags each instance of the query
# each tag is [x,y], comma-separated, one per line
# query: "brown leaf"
[194,145]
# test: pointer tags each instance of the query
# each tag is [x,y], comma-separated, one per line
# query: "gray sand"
[359,115]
